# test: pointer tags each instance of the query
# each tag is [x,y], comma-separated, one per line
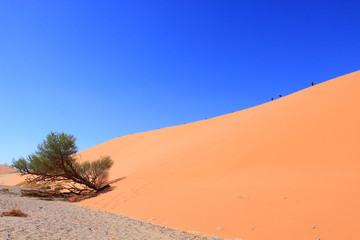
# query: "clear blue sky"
[103,69]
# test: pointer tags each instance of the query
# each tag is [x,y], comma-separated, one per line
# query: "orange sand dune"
[7,175]
[287,169]
[6,169]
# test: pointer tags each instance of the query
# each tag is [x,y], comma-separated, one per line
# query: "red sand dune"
[287,169]
[6,169]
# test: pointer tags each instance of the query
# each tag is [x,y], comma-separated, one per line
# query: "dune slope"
[287,169]
[6,169]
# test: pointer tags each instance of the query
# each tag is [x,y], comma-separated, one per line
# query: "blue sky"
[103,69]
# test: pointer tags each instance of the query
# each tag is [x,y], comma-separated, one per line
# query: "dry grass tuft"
[14,213]
[5,190]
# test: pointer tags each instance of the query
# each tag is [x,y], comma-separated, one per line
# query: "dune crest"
[286,169]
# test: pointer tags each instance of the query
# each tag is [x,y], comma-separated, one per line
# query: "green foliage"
[95,170]
[54,160]
[21,164]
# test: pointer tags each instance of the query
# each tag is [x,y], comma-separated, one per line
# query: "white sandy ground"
[63,220]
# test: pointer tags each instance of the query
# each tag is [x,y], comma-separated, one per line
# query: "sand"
[286,169]
[6,170]
[62,220]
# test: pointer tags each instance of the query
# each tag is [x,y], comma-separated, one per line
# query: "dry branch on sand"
[37,193]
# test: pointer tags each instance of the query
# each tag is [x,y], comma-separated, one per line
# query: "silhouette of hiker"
[312,83]
[272,99]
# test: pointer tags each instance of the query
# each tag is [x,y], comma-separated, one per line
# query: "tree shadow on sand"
[49,194]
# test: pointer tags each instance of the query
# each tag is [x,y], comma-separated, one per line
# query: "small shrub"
[14,213]
[55,160]
[5,190]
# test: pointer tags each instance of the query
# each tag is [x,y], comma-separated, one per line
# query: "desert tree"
[55,160]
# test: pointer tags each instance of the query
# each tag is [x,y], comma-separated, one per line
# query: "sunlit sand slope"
[287,169]
[6,169]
